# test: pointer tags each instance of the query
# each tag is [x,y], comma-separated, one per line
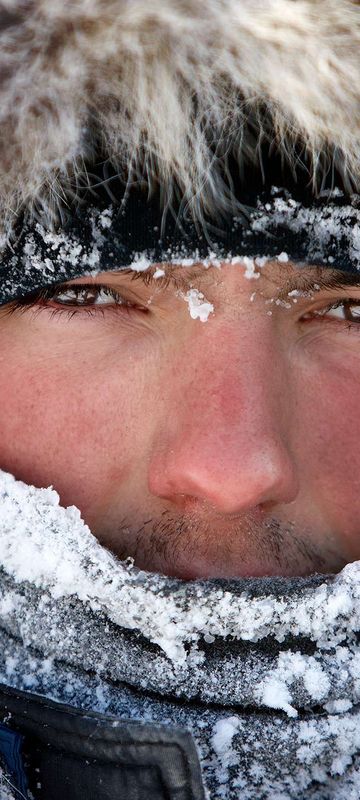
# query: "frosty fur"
[157,87]
[6,787]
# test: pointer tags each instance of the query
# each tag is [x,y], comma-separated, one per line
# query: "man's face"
[224,447]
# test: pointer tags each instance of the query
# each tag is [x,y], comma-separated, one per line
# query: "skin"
[201,449]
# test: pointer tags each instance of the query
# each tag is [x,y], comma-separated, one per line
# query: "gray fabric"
[80,627]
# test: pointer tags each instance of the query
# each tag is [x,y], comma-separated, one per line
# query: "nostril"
[232,483]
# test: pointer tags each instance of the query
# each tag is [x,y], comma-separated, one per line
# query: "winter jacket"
[134,133]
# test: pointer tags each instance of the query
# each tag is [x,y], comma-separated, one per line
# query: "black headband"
[323,232]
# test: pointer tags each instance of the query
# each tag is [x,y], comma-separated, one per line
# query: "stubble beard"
[244,546]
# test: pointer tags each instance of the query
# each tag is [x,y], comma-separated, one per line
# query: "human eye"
[343,313]
[77,298]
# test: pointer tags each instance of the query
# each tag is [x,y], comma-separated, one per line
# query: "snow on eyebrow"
[199,307]
[250,265]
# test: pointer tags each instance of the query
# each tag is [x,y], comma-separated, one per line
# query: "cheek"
[69,423]
[329,441]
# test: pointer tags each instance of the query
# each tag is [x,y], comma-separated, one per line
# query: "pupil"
[352,312]
[88,297]
[80,297]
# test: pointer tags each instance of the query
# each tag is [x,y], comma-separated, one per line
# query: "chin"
[201,569]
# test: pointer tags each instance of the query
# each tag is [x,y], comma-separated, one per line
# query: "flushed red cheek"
[58,430]
[330,451]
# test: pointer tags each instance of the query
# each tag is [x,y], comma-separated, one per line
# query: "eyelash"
[321,314]
[34,301]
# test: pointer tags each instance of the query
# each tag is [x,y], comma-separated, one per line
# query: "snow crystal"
[141,263]
[328,227]
[249,264]
[260,261]
[199,307]
[65,248]
[282,303]
[212,261]
[294,668]
[316,682]
[184,262]
[105,218]
[224,732]
[338,706]
[275,694]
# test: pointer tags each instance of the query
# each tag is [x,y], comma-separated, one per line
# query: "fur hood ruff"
[166,90]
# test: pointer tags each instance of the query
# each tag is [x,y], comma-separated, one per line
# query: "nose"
[225,436]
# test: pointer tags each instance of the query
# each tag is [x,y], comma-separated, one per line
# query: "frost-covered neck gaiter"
[264,673]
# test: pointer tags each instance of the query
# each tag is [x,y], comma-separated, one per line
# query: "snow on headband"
[134,235]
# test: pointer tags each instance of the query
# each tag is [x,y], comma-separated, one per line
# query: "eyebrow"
[322,278]
[179,276]
[305,279]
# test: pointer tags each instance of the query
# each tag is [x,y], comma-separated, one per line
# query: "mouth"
[201,568]
[250,548]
